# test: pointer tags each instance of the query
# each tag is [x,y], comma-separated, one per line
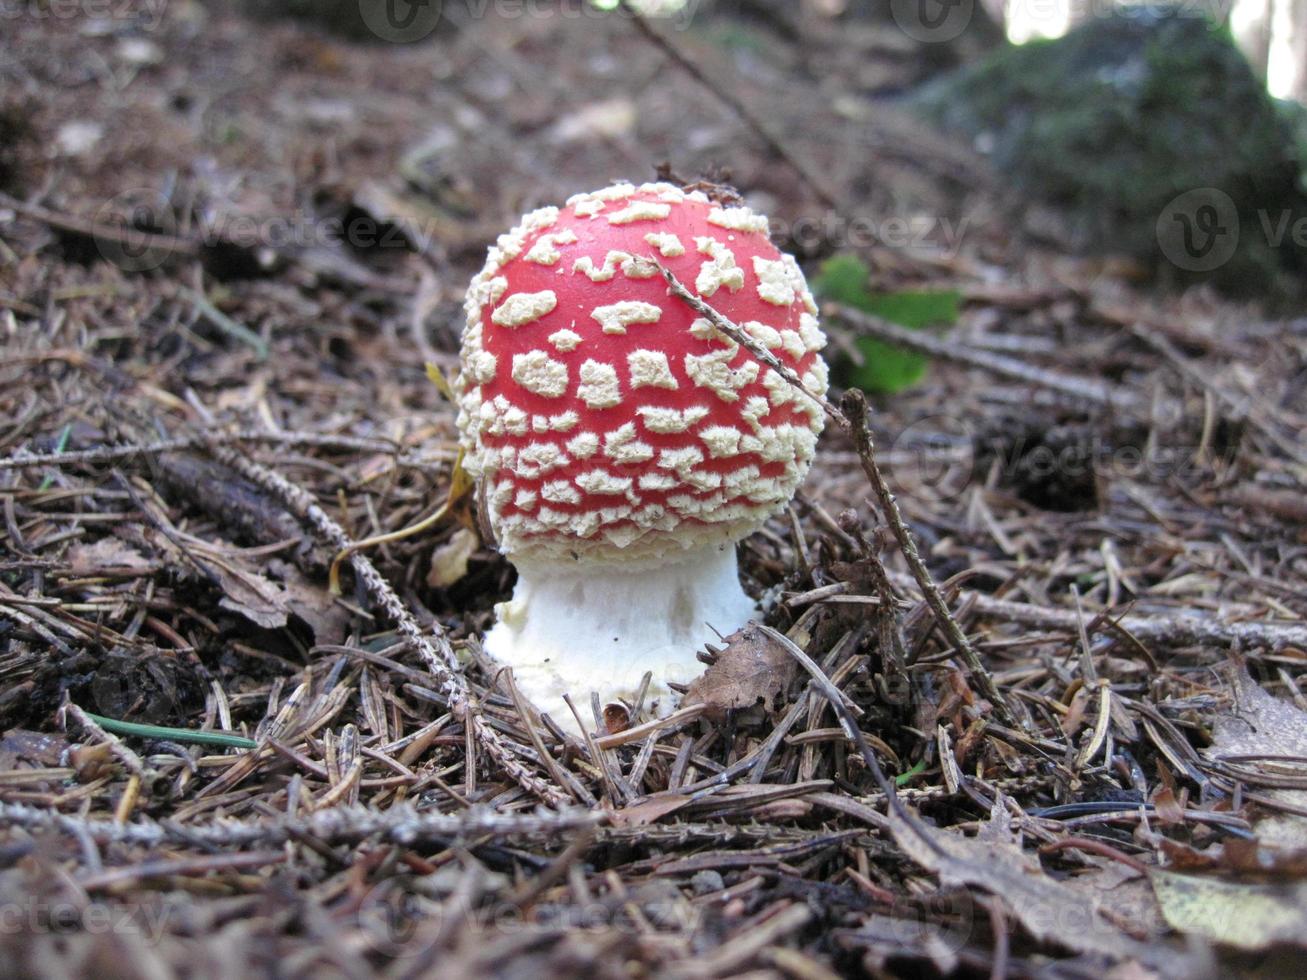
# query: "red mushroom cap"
[606,419]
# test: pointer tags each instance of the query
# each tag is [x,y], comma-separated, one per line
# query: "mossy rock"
[1114,122]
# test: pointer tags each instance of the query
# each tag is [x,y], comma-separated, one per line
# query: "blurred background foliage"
[1102,125]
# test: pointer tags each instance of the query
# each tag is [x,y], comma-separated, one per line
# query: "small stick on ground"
[138,240]
[855,411]
[1183,629]
[175,867]
[108,454]
[402,824]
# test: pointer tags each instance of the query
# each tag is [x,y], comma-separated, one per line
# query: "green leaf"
[843,278]
[907,776]
[886,369]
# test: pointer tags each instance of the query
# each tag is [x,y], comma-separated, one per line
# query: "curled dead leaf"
[449,561]
[616,718]
[255,597]
[108,556]
[752,669]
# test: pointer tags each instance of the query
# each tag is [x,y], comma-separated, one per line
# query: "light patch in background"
[1283,76]
[652,8]
[1028,20]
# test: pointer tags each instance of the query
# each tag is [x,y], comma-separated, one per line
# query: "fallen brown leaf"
[108,556]
[252,595]
[1260,724]
[1048,910]
[752,668]
[313,602]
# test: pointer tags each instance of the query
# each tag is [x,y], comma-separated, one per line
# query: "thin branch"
[1184,629]
[855,410]
[137,239]
[1077,389]
[402,824]
[756,125]
[742,337]
[108,454]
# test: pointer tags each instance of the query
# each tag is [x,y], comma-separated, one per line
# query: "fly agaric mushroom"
[623,444]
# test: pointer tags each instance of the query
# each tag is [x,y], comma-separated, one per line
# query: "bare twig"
[1077,389]
[109,454]
[855,410]
[402,824]
[741,337]
[167,867]
[756,125]
[854,418]
[1184,629]
[137,239]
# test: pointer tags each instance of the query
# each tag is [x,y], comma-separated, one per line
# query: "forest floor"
[1105,480]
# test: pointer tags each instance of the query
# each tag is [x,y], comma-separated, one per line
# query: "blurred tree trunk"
[1298,44]
[1255,39]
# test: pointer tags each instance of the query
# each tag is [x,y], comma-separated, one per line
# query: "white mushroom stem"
[600,627]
